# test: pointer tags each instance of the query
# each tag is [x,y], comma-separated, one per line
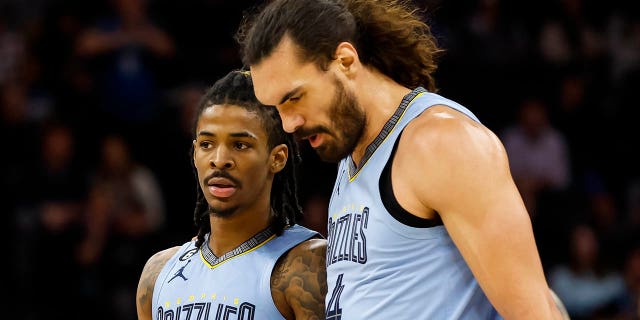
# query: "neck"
[380,98]
[227,233]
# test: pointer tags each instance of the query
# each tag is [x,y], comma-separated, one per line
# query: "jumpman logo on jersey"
[179,273]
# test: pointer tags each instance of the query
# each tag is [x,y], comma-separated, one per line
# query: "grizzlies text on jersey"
[196,285]
[381,268]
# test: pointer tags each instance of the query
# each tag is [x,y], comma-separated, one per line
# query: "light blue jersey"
[194,284]
[381,268]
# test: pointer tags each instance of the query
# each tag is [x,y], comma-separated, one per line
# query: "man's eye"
[205,144]
[241,145]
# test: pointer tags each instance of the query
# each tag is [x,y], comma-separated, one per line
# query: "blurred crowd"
[96,104]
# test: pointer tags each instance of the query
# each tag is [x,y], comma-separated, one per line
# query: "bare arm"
[465,178]
[147,282]
[298,281]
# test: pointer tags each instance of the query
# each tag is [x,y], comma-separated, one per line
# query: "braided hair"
[236,88]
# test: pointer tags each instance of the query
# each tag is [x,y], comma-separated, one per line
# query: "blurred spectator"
[603,213]
[574,112]
[125,211]
[176,136]
[628,307]
[12,49]
[624,44]
[60,195]
[486,27]
[62,180]
[569,34]
[126,49]
[582,284]
[538,154]
[19,132]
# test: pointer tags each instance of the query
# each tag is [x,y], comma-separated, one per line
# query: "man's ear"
[347,58]
[279,156]
[193,151]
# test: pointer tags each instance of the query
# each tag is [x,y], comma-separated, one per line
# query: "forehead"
[230,118]
[281,72]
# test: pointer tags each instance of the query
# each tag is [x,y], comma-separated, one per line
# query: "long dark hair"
[390,35]
[236,88]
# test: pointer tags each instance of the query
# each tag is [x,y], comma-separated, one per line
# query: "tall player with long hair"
[425,221]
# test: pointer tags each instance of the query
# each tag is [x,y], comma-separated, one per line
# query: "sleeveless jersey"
[380,268]
[194,284]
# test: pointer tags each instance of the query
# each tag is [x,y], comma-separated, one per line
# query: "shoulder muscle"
[451,150]
[298,281]
[147,281]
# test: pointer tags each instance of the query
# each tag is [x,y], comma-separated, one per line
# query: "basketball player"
[425,221]
[249,260]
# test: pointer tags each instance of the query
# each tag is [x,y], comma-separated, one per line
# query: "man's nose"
[291,121]
[222,159]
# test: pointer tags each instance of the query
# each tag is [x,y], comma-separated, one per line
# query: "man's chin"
[221,212]
[329,156]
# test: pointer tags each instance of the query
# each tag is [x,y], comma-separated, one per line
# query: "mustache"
[223,174]
[307,132]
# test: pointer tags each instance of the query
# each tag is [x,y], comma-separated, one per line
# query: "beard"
[222,212]
[347,120]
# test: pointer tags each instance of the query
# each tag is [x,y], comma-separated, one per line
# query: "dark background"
[80,225]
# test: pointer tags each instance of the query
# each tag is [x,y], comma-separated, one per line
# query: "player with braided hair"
[249,260]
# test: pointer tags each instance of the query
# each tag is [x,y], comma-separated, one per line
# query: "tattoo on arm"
[147,282]
[300,278]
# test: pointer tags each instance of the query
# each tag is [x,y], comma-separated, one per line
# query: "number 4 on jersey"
[334,312]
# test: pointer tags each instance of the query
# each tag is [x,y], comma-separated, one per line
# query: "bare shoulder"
[147,281]
[444,129]
[450,149]
[443,136]
[298,281]
[155,263]
[311,247]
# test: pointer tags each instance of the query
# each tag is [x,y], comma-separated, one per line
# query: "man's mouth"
[315,140]
[222,191]
[221,187]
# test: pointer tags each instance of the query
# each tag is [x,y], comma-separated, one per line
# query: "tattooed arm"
[147,281]
[299,281]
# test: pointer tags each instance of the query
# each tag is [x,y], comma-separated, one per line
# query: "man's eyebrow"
[289,94]
[242,134]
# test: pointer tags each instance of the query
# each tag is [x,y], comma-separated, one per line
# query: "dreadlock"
[236,88]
